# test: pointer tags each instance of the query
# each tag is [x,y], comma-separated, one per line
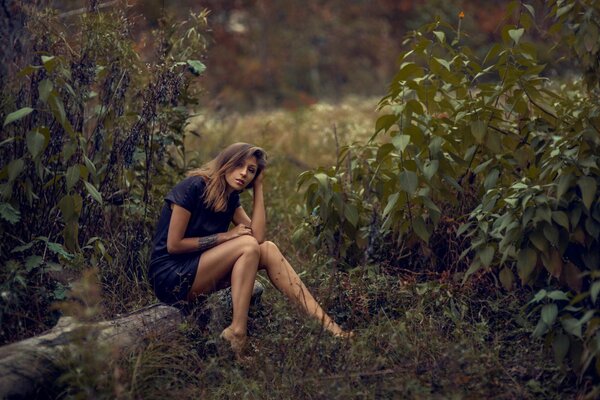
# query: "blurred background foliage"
[269,53]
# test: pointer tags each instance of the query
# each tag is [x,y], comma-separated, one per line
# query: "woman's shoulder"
[193,181]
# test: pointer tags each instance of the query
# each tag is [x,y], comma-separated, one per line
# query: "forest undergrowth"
[418,334]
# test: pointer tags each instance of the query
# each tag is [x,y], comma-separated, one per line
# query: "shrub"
[495,161]
[85,126]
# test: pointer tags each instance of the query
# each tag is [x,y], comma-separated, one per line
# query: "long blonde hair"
[213,172]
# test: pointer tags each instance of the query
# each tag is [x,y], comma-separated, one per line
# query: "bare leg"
[283,276]
[238,259]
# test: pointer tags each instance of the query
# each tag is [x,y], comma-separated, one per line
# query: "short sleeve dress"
[172,275]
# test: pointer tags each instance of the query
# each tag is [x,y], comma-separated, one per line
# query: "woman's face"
[242,174]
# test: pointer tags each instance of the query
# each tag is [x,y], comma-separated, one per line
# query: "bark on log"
[31,364]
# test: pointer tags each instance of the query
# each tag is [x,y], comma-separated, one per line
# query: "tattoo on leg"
[206,242]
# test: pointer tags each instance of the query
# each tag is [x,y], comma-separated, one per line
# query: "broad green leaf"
[553,262]
[443,62]
[45,88]
[421,229]
[491,179]
[441,36]
[323,179]
[487,255]
[351,214]
[530,9]
[430,168]
[385,122]
[561,218]
[564,183]
[478,129]
[408,70]
[463,228]
[594,290]
[70,207]
[91,189]
[507,278]
[196,67]
[538,240]
[401,141]
[474,267]
[540,329]
[72,176]
[57,248]
[408,181]
[572,326]
[17,115]
[33,262]
[563,10]
[57,107]
[560,345]
[9,214]
[588,187]
[90,166]
[516,34]
[49,62]
[526,260]
[392,200]
[549,313]
[539,296]
[36,143]
[14,169]
[558,295]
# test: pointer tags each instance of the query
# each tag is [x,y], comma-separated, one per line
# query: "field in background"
[305,137]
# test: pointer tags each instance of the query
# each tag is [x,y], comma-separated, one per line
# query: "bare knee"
[249,245]
[269,251]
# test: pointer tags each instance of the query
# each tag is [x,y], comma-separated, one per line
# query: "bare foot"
[236,341]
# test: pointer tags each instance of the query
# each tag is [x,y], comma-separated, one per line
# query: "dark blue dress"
[172,275]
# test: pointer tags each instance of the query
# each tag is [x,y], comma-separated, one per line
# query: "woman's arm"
[258,221]
[177,244]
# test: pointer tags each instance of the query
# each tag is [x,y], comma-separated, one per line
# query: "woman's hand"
[258,181]
[239,230]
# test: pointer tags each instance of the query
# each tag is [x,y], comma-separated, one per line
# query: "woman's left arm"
[258,221]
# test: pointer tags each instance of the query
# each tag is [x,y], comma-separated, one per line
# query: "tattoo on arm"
[206,242]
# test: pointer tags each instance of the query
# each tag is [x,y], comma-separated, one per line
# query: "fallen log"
[28,366]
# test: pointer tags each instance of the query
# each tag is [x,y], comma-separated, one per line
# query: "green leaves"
[408,181]
[384,123]
[9,214]
[196,67]
[17,115]
[516,34]
[401,141]
[526,261]
[588,187]
[478,129]
[36,143]
[91,189]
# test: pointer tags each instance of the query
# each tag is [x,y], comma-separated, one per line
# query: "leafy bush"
[85,126]
[496,162]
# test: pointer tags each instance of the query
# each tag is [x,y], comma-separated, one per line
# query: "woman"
[195,253]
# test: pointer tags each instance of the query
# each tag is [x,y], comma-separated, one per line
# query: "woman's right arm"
[177,244]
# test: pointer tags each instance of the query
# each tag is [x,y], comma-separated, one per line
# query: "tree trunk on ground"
[31,364]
